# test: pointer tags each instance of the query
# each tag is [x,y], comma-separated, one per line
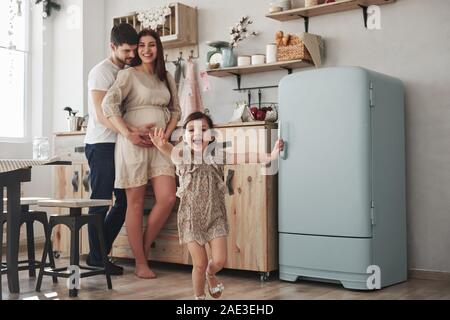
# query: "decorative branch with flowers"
[240,31]
[47,6]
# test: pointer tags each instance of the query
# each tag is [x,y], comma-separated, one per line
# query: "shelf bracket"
[289,70]
[255,88]
[238,80]
[364,9]
[306,21]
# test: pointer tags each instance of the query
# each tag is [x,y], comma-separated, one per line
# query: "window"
[14,16]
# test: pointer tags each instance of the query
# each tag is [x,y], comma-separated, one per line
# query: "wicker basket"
[311,3]
[295,50]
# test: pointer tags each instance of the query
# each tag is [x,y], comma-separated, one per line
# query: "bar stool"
[28,217]
[74,221]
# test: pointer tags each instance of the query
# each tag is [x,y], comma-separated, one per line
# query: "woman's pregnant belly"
[144,115]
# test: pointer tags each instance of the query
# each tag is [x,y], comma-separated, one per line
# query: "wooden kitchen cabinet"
[72,182]
[251,202]
[179,30]
[165,248]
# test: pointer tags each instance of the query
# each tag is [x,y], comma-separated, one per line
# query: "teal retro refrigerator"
[342,211]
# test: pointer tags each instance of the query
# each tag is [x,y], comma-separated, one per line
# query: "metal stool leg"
[44,256]
[30,247]
[42,218]
[99,226]
[74,253]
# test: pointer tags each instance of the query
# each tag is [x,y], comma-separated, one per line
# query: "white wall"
[93,39]
[67,61]
[412,45]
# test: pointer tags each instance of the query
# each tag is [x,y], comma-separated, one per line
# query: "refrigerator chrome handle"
[283,154]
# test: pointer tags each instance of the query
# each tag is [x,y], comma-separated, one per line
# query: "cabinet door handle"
[229,178]
[283,154]
[86,180]
[75,181]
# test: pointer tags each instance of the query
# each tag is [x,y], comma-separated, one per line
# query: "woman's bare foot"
[144,272]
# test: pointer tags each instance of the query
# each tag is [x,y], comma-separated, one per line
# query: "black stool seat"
[75,221]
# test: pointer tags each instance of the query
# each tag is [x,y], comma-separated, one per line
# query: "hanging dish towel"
[190,99]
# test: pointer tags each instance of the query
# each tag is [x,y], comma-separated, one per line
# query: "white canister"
[285,4]
[258,59]
[244,61]
[311,3]
[271,53]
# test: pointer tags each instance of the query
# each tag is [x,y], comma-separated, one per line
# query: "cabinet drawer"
[252,139]
[165,248]
[70,148]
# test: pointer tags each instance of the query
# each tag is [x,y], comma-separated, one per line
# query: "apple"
[254,111]
[261,115]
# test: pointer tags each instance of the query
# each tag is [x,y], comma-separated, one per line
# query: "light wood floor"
[174,283]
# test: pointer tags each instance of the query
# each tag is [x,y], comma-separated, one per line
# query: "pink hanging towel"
[190,98]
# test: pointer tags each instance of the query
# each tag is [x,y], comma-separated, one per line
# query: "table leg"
[13,236]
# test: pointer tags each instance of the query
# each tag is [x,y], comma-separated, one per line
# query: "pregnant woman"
[144,93]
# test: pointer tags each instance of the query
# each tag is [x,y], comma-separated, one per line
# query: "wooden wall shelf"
[322,9]
[281,65]
[179,34]
[180,28]
[238,71]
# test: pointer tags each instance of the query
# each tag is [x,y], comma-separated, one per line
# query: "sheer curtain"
[14,16]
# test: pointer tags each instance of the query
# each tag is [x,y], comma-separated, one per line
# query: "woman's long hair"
[160,64]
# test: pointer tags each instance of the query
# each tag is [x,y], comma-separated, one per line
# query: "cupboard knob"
[249,179]
[239,190]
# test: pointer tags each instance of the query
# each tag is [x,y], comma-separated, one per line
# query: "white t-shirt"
[101,78]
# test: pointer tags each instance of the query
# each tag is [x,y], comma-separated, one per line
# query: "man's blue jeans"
[100,157]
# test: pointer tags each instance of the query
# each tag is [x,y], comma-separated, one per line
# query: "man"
[100,143]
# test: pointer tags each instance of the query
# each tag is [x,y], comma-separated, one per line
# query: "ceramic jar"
[244,61]
[258,59]
[285,4]
[311,3]
[271,53]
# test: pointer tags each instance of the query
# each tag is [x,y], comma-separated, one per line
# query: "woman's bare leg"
[199,264]
[133,222]
[164,188]
[218,259]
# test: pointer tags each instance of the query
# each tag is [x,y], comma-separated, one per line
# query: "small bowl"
[275,9]
[213,66]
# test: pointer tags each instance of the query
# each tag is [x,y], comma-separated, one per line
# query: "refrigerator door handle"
[283,154]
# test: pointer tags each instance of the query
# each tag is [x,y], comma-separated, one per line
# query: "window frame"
[27,81]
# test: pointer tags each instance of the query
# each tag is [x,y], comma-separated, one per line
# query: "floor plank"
[174,283]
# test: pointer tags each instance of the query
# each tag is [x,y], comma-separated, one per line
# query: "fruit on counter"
[261,115]
[254,111]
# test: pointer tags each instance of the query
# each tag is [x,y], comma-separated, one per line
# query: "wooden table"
[12,174]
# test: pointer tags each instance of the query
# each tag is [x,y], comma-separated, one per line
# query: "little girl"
[202,214]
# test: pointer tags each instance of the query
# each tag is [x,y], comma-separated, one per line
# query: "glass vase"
[228,57]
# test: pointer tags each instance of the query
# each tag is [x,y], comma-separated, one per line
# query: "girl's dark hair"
[160,65]
[123,33]
[196,116]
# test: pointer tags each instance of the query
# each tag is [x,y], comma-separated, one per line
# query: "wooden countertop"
[72,133]
[219,125]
